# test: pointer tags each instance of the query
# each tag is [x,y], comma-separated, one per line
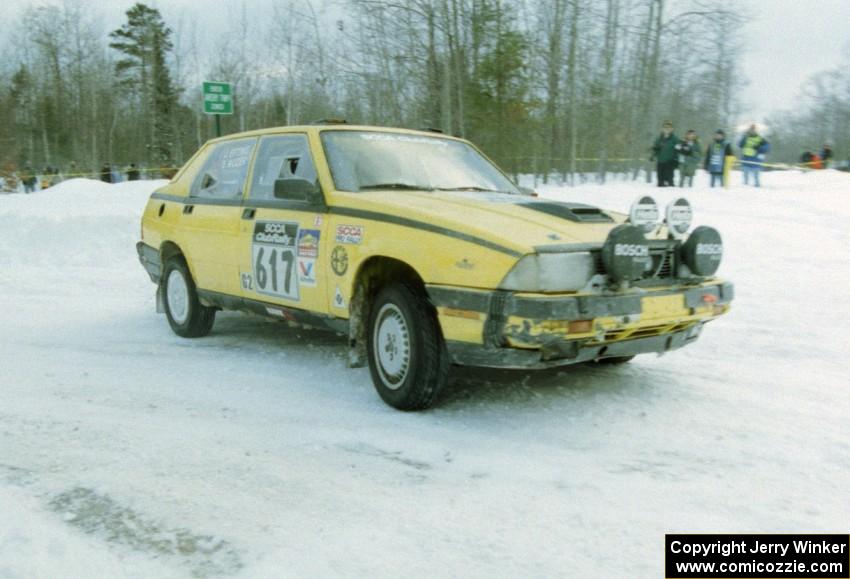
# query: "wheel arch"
[373,274]
[169,249]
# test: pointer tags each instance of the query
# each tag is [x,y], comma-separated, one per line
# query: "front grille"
[645,331]
[662,263]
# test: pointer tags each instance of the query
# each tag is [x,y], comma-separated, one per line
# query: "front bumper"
[514,330]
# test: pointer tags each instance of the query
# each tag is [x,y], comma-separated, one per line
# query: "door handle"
[248,213]
[187,209]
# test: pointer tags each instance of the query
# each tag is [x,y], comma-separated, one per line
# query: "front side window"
[281,157]
[224,171]
[371,160]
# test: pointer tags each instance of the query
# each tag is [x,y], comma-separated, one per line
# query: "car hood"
[520,222]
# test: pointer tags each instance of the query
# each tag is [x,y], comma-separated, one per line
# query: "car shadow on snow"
[570,385]
[467,386]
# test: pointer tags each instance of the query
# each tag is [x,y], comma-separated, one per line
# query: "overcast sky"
[786,40]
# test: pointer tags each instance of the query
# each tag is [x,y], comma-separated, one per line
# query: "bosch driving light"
[703,251]
[678,216]
[644,213]
[626,253]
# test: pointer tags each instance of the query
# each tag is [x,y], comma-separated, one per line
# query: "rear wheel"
[407,355]
[186,315]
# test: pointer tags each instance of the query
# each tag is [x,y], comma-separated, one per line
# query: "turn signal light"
[709,298]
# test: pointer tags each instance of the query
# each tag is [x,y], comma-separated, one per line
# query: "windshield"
[367,161]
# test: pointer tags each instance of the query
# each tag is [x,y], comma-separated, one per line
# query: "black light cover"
[626,253]
[703,251]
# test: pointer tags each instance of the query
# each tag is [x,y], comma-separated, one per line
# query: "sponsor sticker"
[307,271]
[339,260]
[317,222]
[339,301]
[308,243]
[403,139]
[709,249]
[631,250]
[350,234]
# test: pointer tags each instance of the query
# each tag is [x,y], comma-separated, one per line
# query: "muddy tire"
[407,354]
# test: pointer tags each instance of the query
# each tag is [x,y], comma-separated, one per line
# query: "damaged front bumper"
[514,330]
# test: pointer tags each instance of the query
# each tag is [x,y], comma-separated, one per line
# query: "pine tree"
[145,41]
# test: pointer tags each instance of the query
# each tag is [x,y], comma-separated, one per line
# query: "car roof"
[331,127]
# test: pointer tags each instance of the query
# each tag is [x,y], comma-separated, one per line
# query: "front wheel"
[407,355]
[187,316]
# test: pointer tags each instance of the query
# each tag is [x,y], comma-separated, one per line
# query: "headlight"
[644,213]
[550,272]
[678,217]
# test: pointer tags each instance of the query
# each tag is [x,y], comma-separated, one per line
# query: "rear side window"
[281,157]
[224,171]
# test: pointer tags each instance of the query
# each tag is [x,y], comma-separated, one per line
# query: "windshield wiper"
[472,188]
[404,186]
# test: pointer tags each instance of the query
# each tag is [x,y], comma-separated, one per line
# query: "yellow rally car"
[422,252]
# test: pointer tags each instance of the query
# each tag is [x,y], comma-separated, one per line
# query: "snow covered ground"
[126,451]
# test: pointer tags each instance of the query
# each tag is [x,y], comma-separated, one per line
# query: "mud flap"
[160,299]
[357,322]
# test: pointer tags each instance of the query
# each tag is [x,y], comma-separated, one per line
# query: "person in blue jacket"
[754,149]
[715,157]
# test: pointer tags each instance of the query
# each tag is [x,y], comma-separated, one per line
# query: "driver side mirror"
[529,192]
[297,190]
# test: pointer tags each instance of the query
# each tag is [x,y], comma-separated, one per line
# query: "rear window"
[223,173]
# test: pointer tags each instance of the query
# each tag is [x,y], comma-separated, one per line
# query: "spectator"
[715,157]
[664,153]
[816,163]
[55,177]
[28,179]
[45,177]
[133,172]
[754,149]
[690,152]
[106,173]
[8,175]
[806,159]
[826,156]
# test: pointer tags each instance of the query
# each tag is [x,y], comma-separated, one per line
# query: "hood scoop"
[573,211]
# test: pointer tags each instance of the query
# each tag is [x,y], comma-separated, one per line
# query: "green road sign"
[218,100]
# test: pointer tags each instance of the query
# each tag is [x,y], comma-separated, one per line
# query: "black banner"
[757,556]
